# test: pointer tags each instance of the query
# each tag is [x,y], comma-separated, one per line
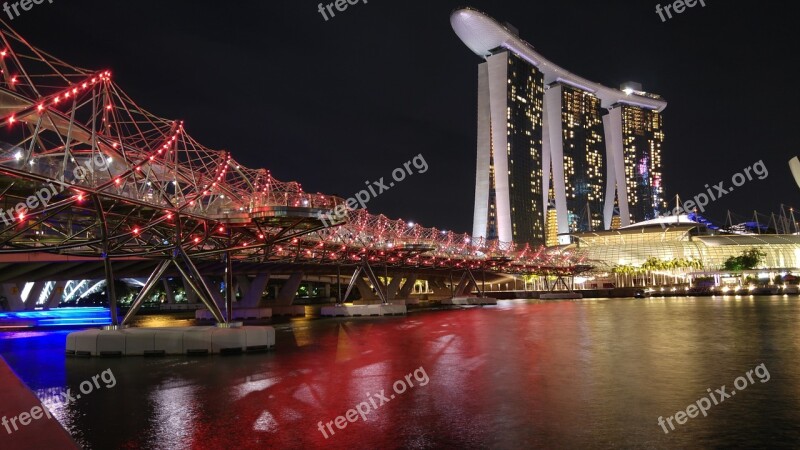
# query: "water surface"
[523,374]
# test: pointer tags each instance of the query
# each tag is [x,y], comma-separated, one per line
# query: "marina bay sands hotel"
[557,153]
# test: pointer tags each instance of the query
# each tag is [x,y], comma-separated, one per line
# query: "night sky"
[333,104]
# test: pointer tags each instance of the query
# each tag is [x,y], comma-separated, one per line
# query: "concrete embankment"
[24,422]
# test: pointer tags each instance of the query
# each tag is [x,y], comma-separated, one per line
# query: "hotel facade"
[551,140]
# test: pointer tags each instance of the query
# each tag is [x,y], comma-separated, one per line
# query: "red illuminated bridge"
[89,177]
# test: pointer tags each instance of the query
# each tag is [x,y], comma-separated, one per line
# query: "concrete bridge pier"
[462,293]
[285,298]
[168,292]
[440,288]
[368,305]
[253,290]
[34,294]
[191,295]
[406,291]
[13,294]
[55,295]
[368,295]
[394,287]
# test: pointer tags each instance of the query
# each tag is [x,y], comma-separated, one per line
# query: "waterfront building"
[681,239]
[543,129]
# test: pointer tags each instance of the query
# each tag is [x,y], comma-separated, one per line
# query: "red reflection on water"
[332,369]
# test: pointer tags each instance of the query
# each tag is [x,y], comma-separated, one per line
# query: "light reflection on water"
[523,374]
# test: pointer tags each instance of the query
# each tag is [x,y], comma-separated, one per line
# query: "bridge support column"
[251,297]
[241,285]
[168,291]
[200,288]
[213,290]
[405,291]
[467,281]
[111,291]
[230,292]
[393,287]
[440,288]
[191,295]
[13,294]
[363,287]
[55,295]
[34,294]
[289,290]
[191,279]
[367,294]
[461,287]
[146,289]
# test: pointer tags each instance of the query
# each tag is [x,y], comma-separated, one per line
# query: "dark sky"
[333,104]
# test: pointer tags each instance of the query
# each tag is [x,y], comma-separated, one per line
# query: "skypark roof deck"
[484,35]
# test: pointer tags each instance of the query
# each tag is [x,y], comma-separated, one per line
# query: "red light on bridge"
[196,240]
[11,120]
[40,107]
[136,230]
[221,229]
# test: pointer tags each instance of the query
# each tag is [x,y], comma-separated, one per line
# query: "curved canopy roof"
[483,35]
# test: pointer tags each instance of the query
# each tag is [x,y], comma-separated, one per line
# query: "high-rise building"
[547,136]
[584,158]
[635,136]
[642,138]
[508,199]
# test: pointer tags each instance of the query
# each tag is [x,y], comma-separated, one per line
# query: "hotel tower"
[549,139]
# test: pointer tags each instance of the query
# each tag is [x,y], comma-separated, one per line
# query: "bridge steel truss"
[85,171]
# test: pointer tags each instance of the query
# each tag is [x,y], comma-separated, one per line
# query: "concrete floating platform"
[170,341]
[238,314]
[561,296]
[363,310]
[466,301]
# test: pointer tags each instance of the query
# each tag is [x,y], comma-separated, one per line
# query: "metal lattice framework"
[85,171]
